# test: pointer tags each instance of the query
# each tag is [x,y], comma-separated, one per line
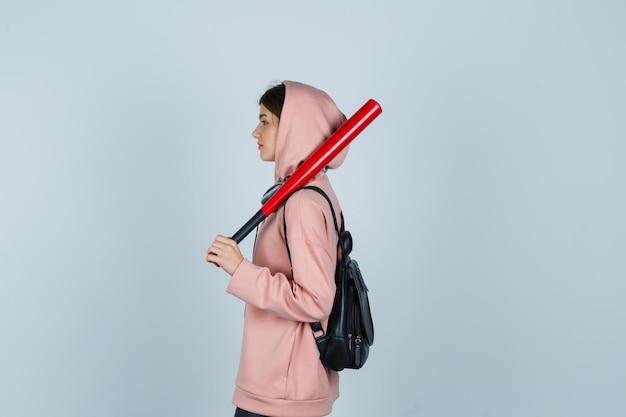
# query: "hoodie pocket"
[306,378]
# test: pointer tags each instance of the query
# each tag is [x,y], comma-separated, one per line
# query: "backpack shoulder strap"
[332,210]
[316,327]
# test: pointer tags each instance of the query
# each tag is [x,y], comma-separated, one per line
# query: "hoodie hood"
[309,116]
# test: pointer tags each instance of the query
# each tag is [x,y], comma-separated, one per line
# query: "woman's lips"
[259,146]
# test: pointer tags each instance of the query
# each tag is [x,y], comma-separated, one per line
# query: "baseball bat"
[321,157]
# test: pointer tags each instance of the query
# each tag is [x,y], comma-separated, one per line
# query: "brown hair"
[273,99]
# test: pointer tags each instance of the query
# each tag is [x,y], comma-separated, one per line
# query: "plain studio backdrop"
[487,202]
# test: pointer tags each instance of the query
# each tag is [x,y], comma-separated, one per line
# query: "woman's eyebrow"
[262,115]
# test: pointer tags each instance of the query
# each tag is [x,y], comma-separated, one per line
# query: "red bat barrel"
[320,158]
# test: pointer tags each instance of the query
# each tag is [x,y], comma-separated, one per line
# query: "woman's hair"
[273,99]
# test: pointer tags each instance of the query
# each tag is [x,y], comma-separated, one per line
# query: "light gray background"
[487,201]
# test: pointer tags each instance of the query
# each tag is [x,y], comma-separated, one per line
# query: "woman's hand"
[225,253]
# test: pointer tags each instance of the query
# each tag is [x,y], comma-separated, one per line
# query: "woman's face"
[265,134]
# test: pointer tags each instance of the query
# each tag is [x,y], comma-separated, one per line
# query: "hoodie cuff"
[241,284]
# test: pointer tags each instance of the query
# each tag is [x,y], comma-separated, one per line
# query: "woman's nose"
[255,133]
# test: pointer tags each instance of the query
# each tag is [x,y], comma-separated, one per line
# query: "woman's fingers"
[225,253]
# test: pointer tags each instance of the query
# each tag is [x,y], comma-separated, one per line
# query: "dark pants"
[243,413]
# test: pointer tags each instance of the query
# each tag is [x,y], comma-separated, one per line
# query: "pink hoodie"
[280,373]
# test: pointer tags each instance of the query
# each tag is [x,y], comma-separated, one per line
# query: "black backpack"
[350,330]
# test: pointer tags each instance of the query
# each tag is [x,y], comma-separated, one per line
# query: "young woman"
[280,373]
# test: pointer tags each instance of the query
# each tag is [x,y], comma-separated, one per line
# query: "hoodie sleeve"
[309,296]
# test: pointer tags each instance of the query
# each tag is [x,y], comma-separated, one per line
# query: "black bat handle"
[249,226]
